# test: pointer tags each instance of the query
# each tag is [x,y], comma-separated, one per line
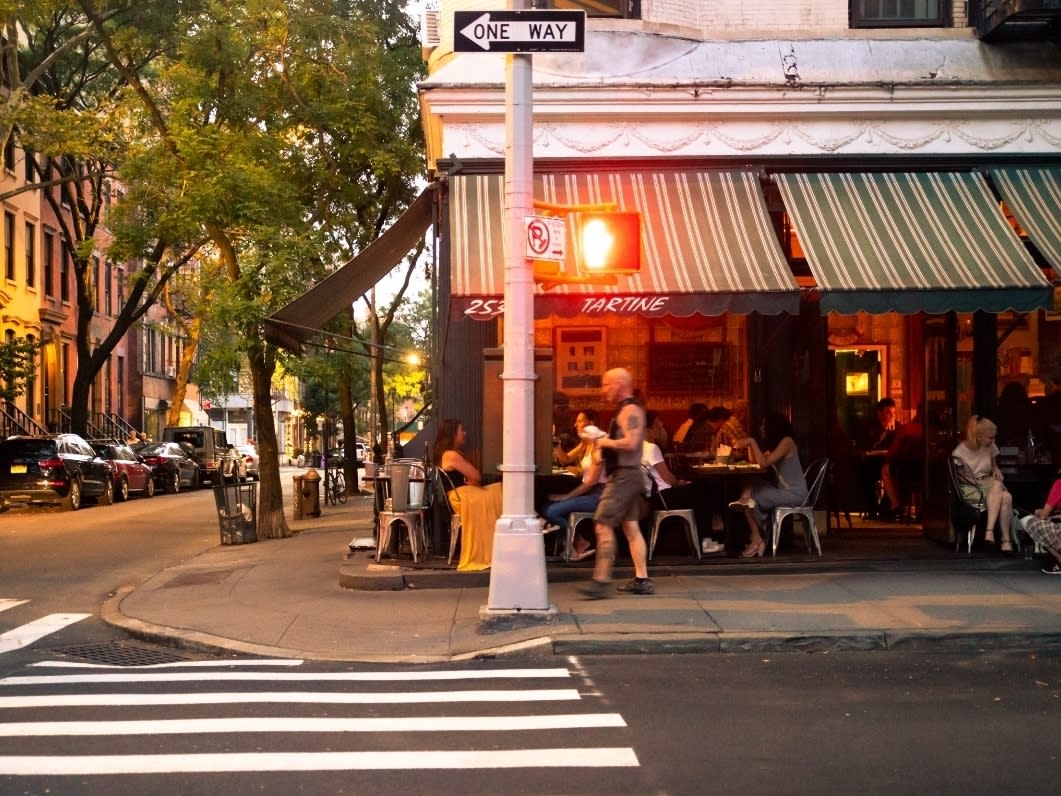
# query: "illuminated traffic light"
[608,242]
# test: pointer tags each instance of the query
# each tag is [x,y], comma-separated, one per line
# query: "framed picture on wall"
[581,354]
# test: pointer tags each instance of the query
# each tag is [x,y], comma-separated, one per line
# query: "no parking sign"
[546,238]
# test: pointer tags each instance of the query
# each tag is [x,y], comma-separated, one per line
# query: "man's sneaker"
[595,590]
[638,586]
[709,545]
[1054,570]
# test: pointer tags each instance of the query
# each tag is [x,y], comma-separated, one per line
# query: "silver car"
[249,454]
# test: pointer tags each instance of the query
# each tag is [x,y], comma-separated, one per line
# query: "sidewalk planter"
[237,512]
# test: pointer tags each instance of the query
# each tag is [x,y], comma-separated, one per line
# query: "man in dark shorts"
[619,503]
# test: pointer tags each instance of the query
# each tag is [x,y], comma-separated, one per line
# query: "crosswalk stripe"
[335,677]
[8,603]
[294,724]
[176,665]
[228,698]
[32,631]
[83,765]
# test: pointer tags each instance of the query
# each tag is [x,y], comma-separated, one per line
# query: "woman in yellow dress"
[478,506]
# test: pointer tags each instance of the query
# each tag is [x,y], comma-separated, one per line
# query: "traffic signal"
[607,242]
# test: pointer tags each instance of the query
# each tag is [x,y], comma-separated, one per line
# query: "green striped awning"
[1034,197]
[910,242]
[708,246]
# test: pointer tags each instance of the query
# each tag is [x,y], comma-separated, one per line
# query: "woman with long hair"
[478,506]
[761,497]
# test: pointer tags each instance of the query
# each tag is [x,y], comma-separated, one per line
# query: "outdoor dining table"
[726,480]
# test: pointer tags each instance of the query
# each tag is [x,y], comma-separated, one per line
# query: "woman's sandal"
[1007,546]
[989,537]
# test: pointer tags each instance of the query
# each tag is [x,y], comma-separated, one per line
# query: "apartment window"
[96,277]
[31,162]
[9,246]
[108,289]
[897,13]
[9,153]
[121,287]
[620,9]
[49,260]
[64,273]
[31,255]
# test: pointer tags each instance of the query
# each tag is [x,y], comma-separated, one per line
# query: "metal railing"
[14,421]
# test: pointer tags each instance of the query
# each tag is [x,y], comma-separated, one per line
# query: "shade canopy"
[291,325]
[1033,195]
[707,246]
[910,242]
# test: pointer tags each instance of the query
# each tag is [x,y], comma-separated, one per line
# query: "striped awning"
[1034,198]
[910,242]
[708,246]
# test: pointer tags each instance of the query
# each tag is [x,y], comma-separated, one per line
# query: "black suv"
[55,468]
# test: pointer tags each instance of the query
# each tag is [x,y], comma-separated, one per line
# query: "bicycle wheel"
[340,487]
[329,491]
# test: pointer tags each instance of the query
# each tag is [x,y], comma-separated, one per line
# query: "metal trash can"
[296,495]
[311,493]
[237,512]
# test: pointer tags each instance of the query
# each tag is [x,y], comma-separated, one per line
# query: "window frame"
[857,19]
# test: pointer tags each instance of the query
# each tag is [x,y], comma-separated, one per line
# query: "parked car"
[173,465]
[54,468]
[250,460]
[210,449]
[130,472]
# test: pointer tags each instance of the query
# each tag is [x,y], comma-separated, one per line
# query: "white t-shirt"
[651,456]
[586,464]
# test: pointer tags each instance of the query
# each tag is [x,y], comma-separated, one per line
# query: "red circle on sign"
[538,236]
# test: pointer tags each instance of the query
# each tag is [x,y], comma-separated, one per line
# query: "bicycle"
[335,487]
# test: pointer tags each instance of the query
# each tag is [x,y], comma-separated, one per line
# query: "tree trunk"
[272,524]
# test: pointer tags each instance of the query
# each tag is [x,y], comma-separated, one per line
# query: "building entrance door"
[857,386]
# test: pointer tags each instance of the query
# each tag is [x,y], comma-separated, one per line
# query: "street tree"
[270,125]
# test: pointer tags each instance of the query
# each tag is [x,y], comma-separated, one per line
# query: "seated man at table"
[728,432]
[678,494]
[872,451]
[1045,528]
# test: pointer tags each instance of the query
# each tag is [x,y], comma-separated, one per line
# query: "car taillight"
[50,463]
[152,461]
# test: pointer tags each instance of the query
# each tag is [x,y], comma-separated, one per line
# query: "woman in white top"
[981,484]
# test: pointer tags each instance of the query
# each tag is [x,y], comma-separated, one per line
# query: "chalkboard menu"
[688,367]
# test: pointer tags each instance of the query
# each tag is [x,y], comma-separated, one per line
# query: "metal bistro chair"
[964,518]
[815,476]
[403,511]
[573,519]
[443,486]
[660,515]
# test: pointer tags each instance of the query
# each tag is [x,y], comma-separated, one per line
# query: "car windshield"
[34,449]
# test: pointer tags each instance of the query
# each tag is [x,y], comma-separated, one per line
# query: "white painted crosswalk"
[26,634]
[311,719]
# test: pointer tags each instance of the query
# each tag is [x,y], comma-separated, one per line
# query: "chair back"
[815,476]
[962,514]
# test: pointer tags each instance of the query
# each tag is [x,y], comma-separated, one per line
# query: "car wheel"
[108,493]
[175,482]
[149,486]
[72,502]
[122,493]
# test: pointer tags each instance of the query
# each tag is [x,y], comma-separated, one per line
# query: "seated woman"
[1046,531]
[583,497]
[983,486]
[761,497]
[573,460]
[478,506]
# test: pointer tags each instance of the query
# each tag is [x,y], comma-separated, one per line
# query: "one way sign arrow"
[519,31]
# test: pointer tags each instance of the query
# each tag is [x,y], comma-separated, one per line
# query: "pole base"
[517,571]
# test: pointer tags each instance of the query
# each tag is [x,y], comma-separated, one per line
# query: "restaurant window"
[48,261]
[31,255]
[898,13]
[9,246]
[618,9]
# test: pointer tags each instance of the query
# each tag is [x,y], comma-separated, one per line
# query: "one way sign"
[519,31]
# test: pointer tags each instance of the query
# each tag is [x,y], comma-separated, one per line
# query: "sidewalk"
[310,597]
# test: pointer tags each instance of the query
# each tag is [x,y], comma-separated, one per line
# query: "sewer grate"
[199,578]
[118,654]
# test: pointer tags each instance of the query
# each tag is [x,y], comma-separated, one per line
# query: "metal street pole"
[517,573]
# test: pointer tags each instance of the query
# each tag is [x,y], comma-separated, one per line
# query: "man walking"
[621,452]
